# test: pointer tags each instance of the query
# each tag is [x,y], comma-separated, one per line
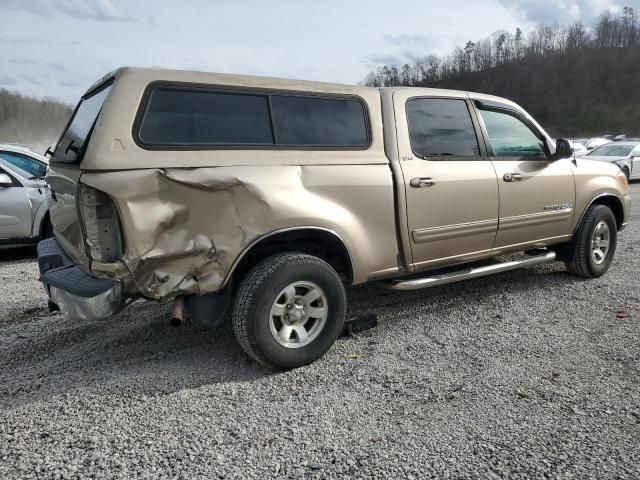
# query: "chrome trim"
[450,231]
[600,242]
[538,243]
[532,219]
[276,232]
[602,195]
[468,274]
[100,307]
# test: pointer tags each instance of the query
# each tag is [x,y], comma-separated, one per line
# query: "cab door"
[537,194]
[450,184]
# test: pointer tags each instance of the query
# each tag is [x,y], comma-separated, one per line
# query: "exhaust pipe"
[177,312]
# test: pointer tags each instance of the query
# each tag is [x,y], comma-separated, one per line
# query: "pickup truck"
[263,197]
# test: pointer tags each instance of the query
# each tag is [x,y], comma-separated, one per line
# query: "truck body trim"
[259,239]
[532,219]
[450,231]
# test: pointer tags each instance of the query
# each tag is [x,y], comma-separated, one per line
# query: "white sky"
[58,48]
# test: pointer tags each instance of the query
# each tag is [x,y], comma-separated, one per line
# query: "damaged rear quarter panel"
[185,227]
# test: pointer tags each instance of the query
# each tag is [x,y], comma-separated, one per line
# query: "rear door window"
[441,128]
[71,145]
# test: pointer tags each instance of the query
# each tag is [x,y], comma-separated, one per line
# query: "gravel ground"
[526,374]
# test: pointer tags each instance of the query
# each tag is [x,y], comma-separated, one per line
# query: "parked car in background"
[624,154]
[596,142]
[579,150]
[24,215]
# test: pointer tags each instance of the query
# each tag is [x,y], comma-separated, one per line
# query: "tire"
[582,261]
[268,314]
[627,173]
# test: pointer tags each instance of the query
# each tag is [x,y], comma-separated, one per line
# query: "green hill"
[574,81]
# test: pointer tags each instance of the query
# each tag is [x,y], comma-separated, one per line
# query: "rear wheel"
[594,245]
[289,310]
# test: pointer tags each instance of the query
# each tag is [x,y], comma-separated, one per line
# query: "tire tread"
[249,288]
[579,263]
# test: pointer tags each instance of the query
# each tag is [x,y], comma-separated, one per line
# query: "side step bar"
[469,273]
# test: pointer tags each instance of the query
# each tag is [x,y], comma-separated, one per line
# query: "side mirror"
[5,180]
[563,149]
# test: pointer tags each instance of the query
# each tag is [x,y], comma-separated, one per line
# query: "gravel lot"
[526,374]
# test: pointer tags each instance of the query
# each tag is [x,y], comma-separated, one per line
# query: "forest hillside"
[575,80]
[31,122]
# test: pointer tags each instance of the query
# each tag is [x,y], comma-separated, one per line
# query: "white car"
[579,149]
[24,214]
[596,142]
[624,154]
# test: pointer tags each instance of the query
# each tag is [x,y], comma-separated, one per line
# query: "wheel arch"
[318,241]
[609,200]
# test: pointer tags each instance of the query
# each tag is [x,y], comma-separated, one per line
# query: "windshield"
[611,151]
[71,144]
[25,166]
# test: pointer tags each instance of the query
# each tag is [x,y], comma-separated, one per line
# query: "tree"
[499,46]
[518,43]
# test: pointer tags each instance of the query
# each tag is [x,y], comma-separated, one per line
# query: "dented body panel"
[184,228]
[189,216]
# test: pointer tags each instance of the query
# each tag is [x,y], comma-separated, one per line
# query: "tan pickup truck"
[264,197]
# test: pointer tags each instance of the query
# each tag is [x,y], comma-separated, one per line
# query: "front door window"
[511,137]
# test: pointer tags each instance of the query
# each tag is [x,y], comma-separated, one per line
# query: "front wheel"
[594,244]
[289,310]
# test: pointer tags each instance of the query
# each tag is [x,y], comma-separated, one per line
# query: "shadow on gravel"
[14,254]
[481,291]
[138,352]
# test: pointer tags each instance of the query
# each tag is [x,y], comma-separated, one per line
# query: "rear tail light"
[101,224]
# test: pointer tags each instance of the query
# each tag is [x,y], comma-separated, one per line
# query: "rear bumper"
[78,294]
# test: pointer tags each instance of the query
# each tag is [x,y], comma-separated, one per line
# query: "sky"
[58,48]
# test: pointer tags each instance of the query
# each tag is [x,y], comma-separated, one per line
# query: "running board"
[469,273]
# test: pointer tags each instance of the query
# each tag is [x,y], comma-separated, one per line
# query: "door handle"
[512,177]
[420,182]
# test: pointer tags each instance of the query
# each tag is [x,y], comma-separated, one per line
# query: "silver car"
[624,154]
[596,142]
[24,214]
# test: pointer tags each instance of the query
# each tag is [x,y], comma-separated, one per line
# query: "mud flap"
[210,309]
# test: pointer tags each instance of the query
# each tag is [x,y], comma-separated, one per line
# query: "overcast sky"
[58,48]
